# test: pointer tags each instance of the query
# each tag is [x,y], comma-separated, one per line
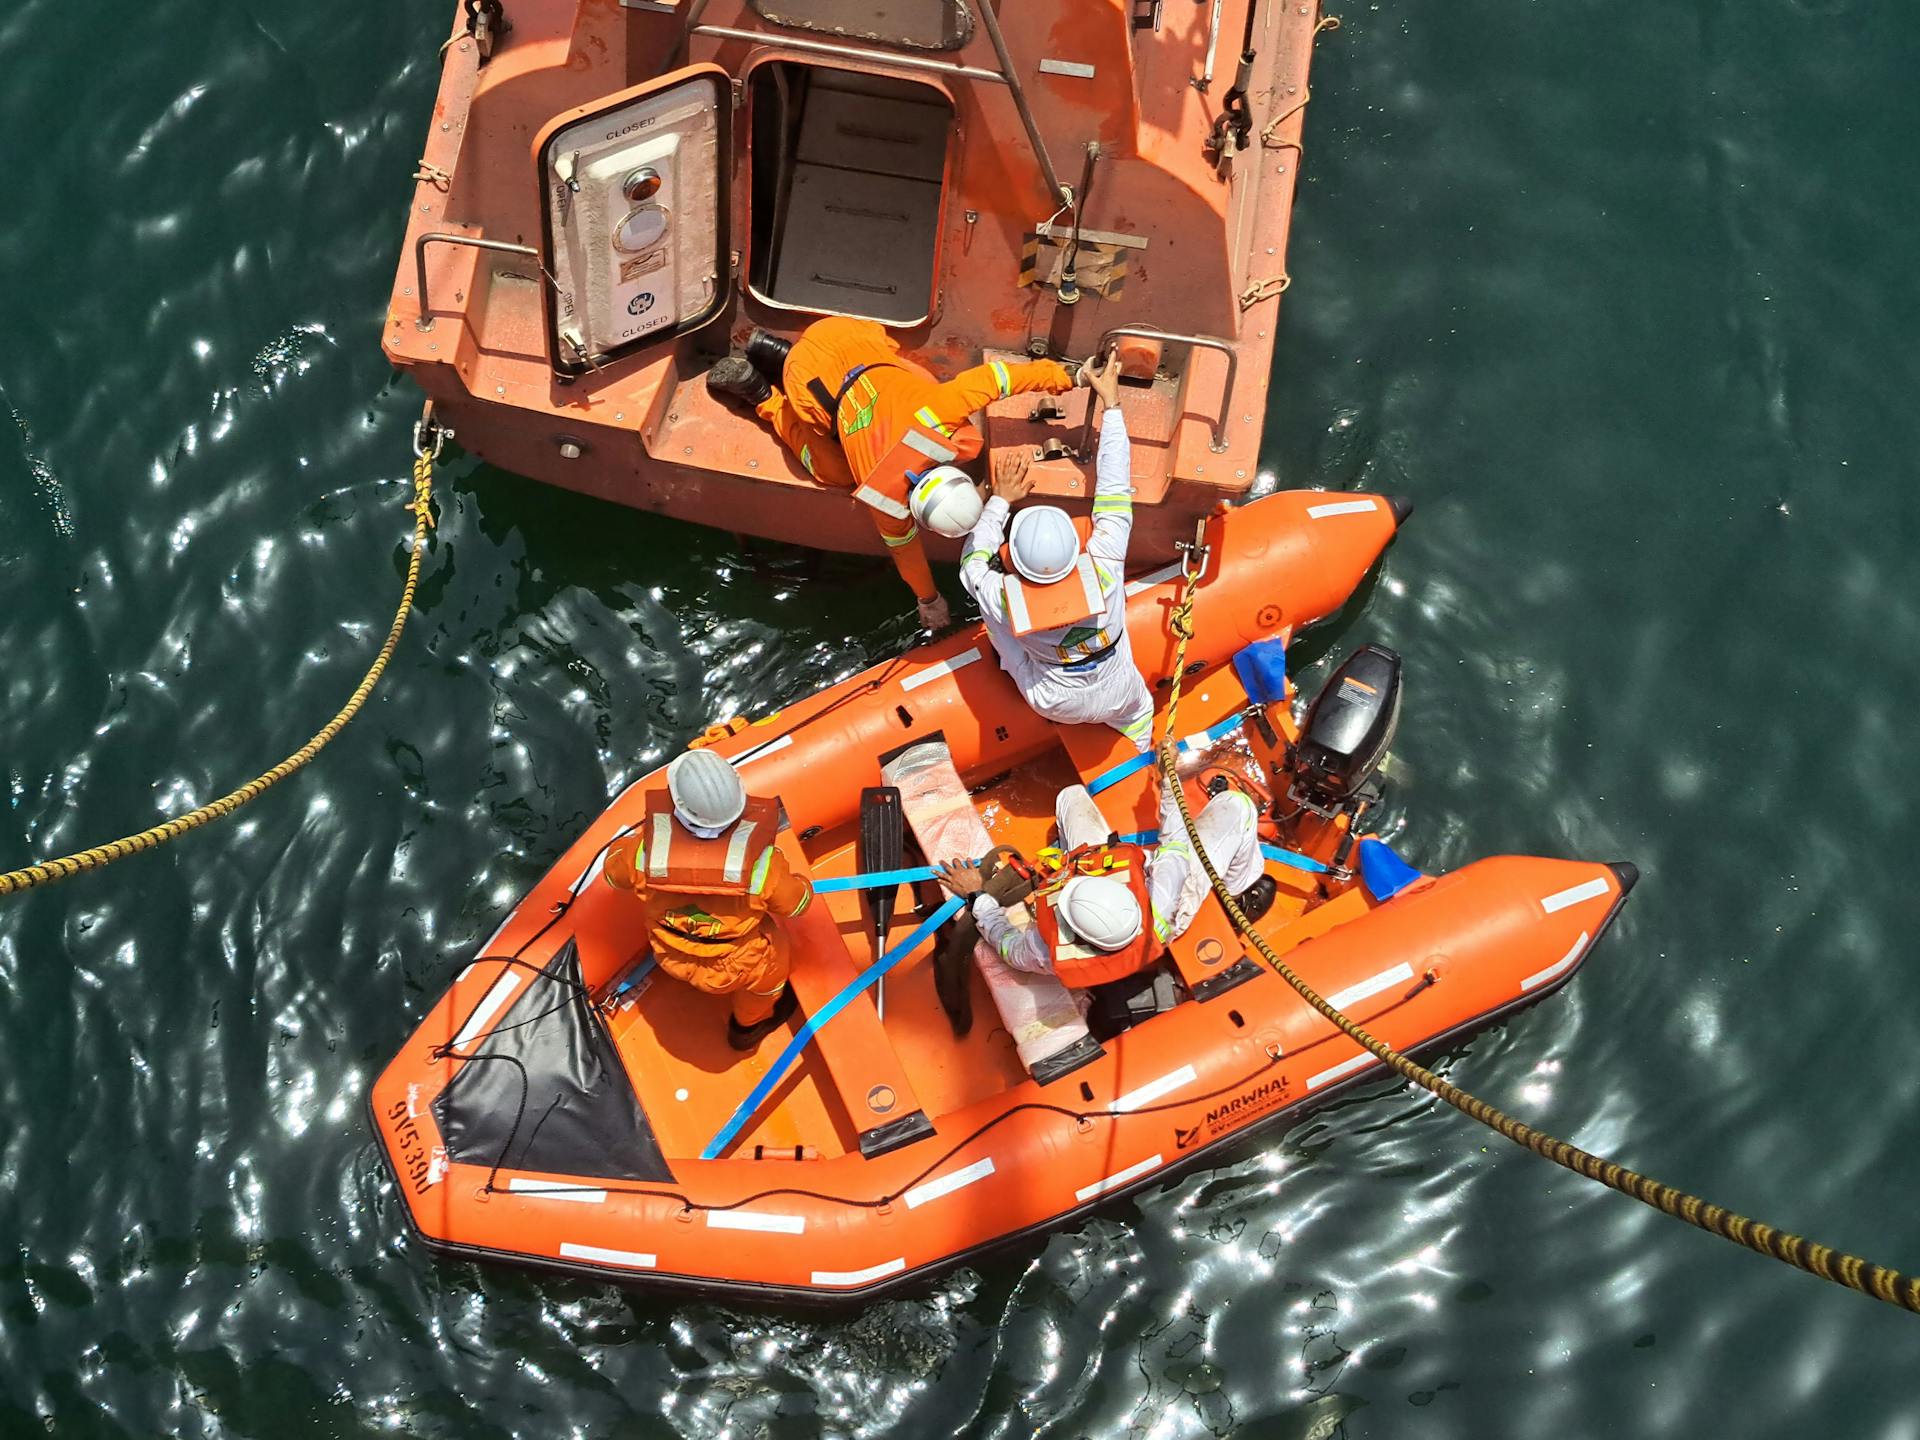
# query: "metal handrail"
[1205,342]
[1003,76]
[425,322]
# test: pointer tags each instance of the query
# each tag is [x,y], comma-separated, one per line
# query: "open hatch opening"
[848,176]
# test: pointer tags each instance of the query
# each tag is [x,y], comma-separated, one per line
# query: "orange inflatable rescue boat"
[565,1106]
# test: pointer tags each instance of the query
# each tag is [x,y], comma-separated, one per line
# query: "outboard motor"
[1348,730]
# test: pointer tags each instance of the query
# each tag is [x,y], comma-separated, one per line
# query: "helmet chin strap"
[704,832]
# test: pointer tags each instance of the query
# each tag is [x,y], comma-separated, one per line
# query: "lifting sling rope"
[427,440]
[1835,1265]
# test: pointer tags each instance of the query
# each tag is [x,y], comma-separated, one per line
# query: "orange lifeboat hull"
[801,1206]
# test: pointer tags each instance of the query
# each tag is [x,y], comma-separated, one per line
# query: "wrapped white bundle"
[1037,1010]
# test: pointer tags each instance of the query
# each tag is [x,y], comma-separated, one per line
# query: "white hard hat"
[706,792]
[1043,544]
[1101,911]
[947,502]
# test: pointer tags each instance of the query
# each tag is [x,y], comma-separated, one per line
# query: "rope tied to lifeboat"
[1841,1268]
[428,439]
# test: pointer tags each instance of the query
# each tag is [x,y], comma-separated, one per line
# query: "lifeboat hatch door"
[634,217]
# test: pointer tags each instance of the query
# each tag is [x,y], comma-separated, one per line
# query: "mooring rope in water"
[1828,1264]
[427,441]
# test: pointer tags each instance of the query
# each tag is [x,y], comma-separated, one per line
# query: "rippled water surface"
[1622,296]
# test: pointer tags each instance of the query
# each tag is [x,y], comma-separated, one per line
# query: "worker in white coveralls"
[1054,597]
[1118,909]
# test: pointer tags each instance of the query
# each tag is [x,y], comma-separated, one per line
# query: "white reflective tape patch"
[660,846]
[1561,900]
[761,750]
[860,1277]
[1116,1180]
[1154,1089]
[631,1259]
[735,865]
[756,1220]
[1090,585]
[1386,979]
[592,872]
[557,1190]
[1017,605]
[947,1184]
[490,1005]
[1340,1071]
[925,444]
[945,667]
[881,501]
[1558,968]
[1341,507]
[1158,577]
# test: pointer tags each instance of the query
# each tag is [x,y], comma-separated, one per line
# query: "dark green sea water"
[1624,297]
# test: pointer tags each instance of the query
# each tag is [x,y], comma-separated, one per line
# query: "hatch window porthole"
[911,24]
[641,230]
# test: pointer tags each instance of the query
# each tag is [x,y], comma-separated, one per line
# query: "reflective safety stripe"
[760,869]
[1106,581]
[1016,603]
[736,862]
[1160,926]
[894,542]
[805,900]
[806,457]
[973,555]
[932,421]
[1090,583]
[1103,504]
[1001,378]
[882,502]
[662,843]
[928,446]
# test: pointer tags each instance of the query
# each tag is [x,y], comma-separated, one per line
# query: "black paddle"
[880,846]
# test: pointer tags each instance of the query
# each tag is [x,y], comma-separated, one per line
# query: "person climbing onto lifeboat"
[1054,600]
[862,417]
[715,890]
[1110,908]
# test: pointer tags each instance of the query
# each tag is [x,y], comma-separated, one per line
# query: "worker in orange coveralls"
[862,417]
[715,889]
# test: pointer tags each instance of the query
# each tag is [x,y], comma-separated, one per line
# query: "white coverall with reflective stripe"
[1103,691]
[1228,825]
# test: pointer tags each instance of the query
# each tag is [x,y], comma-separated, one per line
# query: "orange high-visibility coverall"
[722,944]
[878,407]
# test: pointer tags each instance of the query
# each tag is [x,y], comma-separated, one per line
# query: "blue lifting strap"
[873,879]
[1109,778]
[756,1097]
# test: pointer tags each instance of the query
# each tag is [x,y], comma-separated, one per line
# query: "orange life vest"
[679,861]
[920,446]
[1078,595]
[1078,964]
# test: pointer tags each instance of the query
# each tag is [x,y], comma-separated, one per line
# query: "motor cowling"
[1349,728]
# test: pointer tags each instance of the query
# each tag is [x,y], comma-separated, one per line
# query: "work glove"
[934,614]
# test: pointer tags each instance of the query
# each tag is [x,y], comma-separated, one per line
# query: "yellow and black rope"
[92,858]
[1829,1264]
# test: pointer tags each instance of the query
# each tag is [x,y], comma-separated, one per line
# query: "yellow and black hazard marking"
[1101,265]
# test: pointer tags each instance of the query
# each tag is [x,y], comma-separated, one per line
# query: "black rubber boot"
[767,353]
[734,379]
[745,1037]
[1257,898]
